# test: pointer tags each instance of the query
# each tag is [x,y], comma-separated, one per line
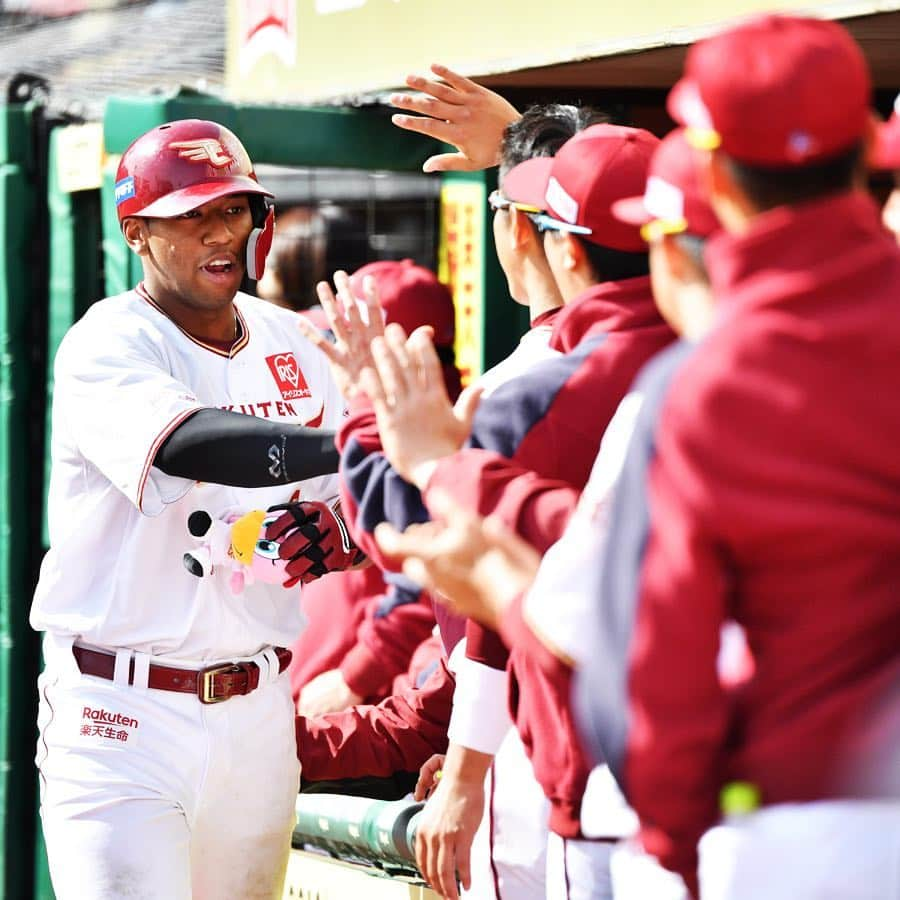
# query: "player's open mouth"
[219,266]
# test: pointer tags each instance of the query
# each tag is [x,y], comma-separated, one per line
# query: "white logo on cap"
[561,202]
[663,200]
[203,150]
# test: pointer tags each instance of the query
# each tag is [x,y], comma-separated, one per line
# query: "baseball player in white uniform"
[167,749]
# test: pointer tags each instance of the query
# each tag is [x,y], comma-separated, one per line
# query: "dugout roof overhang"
[331,51]
[659,67]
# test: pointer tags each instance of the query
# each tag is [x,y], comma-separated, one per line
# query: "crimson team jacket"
[400,734]
[533,435]
[360,625]
[762,485]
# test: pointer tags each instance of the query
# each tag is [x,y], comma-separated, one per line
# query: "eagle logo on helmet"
[203,150]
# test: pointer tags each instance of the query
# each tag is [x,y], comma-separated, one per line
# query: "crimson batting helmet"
[181,165]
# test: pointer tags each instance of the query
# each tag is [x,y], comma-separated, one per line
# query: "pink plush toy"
[238,542]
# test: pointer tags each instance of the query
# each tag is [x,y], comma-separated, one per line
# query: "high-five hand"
[457,111]
[350,354]
[416,421]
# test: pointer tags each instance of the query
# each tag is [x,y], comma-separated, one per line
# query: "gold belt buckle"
[206,688]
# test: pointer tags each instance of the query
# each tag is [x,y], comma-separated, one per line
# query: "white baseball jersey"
[125,377]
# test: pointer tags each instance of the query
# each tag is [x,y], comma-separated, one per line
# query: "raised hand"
[457,111]
[416,421]
[354,332]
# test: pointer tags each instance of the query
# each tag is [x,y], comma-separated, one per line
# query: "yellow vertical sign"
[460,257]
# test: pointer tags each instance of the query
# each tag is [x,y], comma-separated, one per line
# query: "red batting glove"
[314,539]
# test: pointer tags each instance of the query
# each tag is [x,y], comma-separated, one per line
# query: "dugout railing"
[354,847]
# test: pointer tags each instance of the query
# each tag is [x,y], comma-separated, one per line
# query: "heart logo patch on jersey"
[286,367]
[288,376]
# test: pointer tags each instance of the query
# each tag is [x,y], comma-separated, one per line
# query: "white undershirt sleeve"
[480,718]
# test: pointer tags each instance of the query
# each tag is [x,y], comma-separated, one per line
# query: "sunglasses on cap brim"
[497,201]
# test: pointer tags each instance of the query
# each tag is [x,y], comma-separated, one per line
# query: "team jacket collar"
[795,249]
[548,317]
[606,307]
[241,342]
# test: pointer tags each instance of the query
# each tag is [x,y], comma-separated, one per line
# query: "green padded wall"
[17,643]
[287,135]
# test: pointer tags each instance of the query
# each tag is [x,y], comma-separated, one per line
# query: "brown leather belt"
[211,685]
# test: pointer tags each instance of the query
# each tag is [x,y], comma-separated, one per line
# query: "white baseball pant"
[636,875]
[578,869]
[829,850]
[509,850]
[150,794]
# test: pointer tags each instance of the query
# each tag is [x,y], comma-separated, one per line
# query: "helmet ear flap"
[259,244]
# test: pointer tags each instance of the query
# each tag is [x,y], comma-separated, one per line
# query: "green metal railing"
[376,833]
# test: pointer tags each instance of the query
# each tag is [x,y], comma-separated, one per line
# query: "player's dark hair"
[609,264]
[298,255]
[542,130]
[768,187]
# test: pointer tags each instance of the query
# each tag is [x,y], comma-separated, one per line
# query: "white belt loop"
[274,663]
[141,670]
[262,663]
[123,664]
[267,661]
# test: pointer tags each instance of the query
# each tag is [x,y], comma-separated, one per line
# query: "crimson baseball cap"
[577,187]
[673,201]
[410,295]
[775,91]
[181,165]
